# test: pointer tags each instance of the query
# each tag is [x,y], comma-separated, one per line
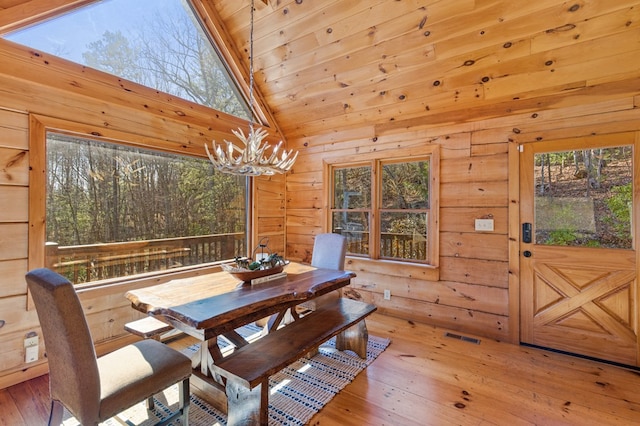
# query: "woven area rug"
[296,393]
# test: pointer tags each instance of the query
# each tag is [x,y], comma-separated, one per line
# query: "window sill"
[393,268]
[147,279]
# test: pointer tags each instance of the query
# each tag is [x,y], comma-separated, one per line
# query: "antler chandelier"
[257,157]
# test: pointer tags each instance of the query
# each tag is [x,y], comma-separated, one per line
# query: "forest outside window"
[114,210]
[384,208]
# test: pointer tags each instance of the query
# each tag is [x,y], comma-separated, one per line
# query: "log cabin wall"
[476,77]
[477,290]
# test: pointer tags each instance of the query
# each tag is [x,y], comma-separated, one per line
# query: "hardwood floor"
[425,378]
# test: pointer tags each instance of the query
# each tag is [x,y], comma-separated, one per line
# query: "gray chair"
[329,251]
[94,389]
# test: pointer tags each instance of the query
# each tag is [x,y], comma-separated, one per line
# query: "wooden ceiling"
[336,64]
[342,64]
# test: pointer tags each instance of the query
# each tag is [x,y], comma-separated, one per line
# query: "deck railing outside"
[392,245]
[86,263]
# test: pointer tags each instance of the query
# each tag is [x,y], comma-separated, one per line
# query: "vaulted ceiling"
[338,64]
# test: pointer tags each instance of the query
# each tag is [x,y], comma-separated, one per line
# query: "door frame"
[515,278]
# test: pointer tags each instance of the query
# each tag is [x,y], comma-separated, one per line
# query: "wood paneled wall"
[472,293]
[477,290]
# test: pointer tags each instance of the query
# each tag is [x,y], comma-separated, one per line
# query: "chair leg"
[185,393]
[55,416]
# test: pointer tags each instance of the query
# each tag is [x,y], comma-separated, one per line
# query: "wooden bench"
[248,368]
[149,328]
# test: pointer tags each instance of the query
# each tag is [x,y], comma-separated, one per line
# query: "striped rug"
[296,393]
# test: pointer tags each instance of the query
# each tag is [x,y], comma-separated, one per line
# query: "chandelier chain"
[251,81]
[257,157]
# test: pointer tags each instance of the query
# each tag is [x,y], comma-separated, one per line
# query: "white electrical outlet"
[484,225]
[387,295]
[31,354]
[31,349]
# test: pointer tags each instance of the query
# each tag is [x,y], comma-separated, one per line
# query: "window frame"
[428,269]
[39,126]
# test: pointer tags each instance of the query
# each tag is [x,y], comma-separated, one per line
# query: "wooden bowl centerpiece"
[246,269]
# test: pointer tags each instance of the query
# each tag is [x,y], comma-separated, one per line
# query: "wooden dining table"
[213,305]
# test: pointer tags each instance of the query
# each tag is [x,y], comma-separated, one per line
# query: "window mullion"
[376,197]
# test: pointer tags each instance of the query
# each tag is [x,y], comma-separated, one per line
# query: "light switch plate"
[484,225]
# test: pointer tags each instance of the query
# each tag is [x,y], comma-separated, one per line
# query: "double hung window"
[385,208]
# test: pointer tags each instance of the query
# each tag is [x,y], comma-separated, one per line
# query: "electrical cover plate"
[31,354]
[484,224]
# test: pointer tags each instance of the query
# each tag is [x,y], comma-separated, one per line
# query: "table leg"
[236,339]
[204,358]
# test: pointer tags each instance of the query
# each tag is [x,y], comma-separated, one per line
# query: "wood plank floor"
[425,378]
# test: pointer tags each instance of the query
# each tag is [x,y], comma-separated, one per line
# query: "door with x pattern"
[578,256]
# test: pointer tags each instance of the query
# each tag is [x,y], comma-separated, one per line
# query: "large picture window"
[114,210]
[384,208]
[160,44]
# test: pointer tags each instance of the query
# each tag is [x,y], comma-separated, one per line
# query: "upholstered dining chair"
[329,251]
[93,388]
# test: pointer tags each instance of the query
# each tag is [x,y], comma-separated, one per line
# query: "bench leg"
[247,407]
[354,338]
[313,352]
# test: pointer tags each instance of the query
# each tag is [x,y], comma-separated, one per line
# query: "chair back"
[73,370]
[329,251]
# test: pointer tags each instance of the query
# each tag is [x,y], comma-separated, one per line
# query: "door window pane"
[584,197]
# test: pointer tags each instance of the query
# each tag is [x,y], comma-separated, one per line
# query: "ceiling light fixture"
[257,157]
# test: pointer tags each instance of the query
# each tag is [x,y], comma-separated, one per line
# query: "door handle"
[526,253]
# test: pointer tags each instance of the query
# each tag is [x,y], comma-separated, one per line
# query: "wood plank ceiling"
[336,64]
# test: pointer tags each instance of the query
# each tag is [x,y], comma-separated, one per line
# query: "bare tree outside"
[169,52]
[110,204]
